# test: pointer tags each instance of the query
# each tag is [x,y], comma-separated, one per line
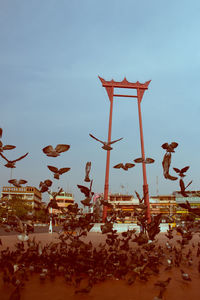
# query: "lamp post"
[140,88]
[50,222]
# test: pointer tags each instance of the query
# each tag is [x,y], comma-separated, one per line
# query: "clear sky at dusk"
[51,53]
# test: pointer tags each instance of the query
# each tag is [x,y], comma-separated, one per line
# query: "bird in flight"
[57,172]
[169,147]
[16,182]
[85,190]
[44,186]
[167,159]
[54,152]
[106,145]
[181,172]
[11,163]
[148,160]
[125,166]
[166,165]
[193,210]
[139,198]
[6,147]
[87,171]
[183,187]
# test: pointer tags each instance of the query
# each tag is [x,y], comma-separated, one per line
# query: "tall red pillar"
[140,88]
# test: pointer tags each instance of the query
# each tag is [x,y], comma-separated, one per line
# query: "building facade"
[31,195]
[63,200]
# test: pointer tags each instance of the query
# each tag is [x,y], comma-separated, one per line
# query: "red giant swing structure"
[140,89]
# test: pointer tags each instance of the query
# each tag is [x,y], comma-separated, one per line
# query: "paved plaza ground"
[178,289]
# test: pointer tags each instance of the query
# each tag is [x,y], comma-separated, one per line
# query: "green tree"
[19,207]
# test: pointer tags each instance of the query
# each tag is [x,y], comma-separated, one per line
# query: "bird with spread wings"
[106,145]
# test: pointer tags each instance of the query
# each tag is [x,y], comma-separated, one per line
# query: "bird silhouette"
[87,171]
[181,172]
[125,166]
[44,186]
[85,190]
[11,163]
[54,152]
[16,182]
[86,202]
[193,210]
[183,187]
[106,145]
[166,165]
[139,198]
[57,172]
[148,160]
[169,147]
[6,147]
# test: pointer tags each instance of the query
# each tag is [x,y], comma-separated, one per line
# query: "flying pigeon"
[85,190]
[54,152]
[169,147]
[57,172]
[181,172]
[125,166]
[106,145]
[87,171]
[148,160]
[139,198]
[11,163]
[6,147]
[183,187]
[44,186]
[166,165]
[16,182]
[185,276]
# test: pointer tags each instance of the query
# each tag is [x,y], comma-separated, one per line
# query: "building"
[62,200]
[164,204]
[167,205]
[125,203]
[193,198]
[31,195]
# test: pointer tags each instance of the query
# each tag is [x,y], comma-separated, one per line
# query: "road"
[37,229]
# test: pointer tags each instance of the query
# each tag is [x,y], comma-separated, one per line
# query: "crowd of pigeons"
[129,256]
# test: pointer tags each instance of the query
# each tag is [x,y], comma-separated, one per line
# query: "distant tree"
[19,207]
[41,216]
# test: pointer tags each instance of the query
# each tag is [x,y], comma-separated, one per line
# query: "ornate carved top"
[124,84]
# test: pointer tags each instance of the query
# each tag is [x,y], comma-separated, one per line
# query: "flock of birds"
[128,256]
[78,261]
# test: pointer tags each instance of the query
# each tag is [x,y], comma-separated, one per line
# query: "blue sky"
[51,54]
